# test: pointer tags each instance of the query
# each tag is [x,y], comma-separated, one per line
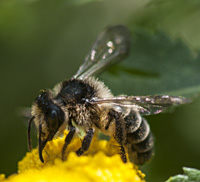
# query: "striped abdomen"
[139,139]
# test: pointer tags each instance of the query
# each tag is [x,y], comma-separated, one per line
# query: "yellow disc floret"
[100,164]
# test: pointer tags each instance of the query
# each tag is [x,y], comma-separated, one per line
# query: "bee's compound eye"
[53,114]
[53,120]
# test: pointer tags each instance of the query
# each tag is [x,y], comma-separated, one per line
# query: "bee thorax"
[81,115]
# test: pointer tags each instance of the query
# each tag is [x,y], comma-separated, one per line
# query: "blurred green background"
[43,42]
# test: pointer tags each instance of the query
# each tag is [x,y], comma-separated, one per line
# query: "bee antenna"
[29,132]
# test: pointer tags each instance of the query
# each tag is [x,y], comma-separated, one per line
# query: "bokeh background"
[43,42]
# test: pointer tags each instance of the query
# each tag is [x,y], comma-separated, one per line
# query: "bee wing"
[110,46]
[146,105]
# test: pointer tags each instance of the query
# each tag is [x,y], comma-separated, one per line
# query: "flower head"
[101,163]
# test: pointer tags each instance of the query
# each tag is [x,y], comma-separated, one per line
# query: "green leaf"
[157,64]
[193,174]
[190,175]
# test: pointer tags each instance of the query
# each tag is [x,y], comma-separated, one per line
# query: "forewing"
[146,105]
[110,46]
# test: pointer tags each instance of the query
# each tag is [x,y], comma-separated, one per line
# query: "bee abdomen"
[141,152]
[145,145]
[139,142]
[140,134]
[140,158]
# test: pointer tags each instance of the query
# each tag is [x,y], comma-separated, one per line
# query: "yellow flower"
[100,164]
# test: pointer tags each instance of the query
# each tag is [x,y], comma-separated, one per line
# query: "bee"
[83,103]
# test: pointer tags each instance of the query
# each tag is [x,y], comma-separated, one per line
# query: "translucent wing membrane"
[146,105]
[110,46]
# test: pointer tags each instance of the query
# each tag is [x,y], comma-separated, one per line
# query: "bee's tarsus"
[79,152]
[123,154]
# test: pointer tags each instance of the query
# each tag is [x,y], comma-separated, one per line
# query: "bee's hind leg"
[123,154]
[86,142]
[119,133]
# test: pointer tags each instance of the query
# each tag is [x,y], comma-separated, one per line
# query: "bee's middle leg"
[86,142]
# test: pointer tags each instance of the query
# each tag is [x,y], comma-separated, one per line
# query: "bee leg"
[68,139]
[86,142]
[123,154]
[120,133]
[41,144]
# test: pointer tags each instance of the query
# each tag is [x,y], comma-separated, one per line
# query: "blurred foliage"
[190,175]
[157,65]
[43,42]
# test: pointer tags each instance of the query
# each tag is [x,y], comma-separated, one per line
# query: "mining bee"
[83,103]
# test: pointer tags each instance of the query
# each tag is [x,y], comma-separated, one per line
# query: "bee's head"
[53,115]
[48,118]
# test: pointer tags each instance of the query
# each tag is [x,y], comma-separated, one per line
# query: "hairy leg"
[86,142]
[68,139]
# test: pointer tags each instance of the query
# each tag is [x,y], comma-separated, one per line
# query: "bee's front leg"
[68,139]
[86,142]
[42,143]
